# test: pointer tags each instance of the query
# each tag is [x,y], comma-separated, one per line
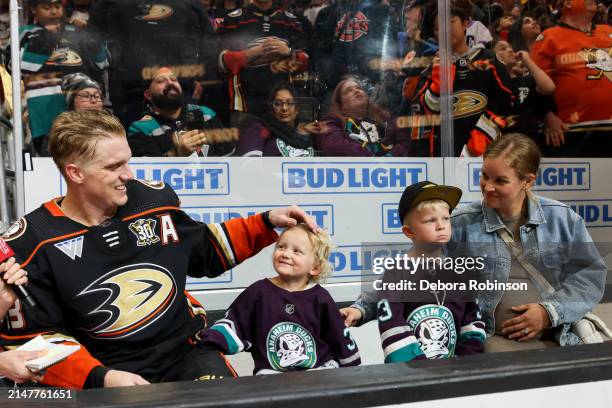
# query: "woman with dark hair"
[277,132]
[523,33]
[358,127]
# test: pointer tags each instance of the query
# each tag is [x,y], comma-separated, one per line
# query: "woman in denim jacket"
[552,238]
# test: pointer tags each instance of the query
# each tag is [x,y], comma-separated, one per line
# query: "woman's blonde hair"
[74,135]
[518,151]
[321,249]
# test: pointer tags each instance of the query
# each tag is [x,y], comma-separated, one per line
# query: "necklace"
[435,293]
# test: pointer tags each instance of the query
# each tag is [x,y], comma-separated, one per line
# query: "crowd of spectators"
[323,78]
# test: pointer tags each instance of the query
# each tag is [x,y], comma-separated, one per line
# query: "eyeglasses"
[278,104]
[86,96]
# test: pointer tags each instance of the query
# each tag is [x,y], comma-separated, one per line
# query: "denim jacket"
[555,241]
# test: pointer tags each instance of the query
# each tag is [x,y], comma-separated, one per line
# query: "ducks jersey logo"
[137,295]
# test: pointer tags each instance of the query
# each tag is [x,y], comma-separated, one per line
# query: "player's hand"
[117,378]
[12,273]
[533,319]
[554,130]
[290,216]
[12,365]
[351,316]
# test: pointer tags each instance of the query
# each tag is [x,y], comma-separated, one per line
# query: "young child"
[428,323]
[288,322]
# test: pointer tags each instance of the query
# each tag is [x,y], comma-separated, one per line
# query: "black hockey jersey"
[285,331]
[364,33]
[144,35]
[249,86]
[482,100]
[118,288]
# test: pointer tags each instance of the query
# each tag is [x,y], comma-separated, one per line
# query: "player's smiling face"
[106,174]
[293,256]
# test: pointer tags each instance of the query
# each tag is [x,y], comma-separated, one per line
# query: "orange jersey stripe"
[46,241]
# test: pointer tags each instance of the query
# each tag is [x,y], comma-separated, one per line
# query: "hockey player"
[289,322]
[261,46]
[427,323]
[108,262]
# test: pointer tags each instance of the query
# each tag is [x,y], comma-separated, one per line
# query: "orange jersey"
[580,64]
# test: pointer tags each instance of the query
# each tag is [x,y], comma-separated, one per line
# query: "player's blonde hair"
[74,135]
[321,249]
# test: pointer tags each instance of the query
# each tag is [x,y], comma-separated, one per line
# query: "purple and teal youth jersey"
[285,331]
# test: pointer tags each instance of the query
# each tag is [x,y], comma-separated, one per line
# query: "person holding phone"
[171,127]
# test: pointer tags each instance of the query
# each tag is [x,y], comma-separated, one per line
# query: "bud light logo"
[596,213]
[188,178]
[553,176]
[349,261]
[322,213]
[391,224]
[351,177]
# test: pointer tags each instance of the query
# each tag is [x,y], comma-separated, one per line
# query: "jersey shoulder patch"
[15,230]
[235,13]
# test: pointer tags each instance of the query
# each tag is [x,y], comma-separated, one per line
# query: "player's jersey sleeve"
[227,244]
[233,333]
[398,340]
[23,322]
[336,334]
[217,247]
[472,333]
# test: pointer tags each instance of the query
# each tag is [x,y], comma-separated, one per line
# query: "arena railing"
[375,385]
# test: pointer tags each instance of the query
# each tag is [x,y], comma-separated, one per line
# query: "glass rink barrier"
[455,154]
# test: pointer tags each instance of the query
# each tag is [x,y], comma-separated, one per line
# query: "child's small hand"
[351,316]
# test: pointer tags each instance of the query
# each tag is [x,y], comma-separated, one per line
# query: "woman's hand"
[529,324]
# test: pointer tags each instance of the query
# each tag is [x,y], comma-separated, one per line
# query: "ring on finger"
[526,331]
